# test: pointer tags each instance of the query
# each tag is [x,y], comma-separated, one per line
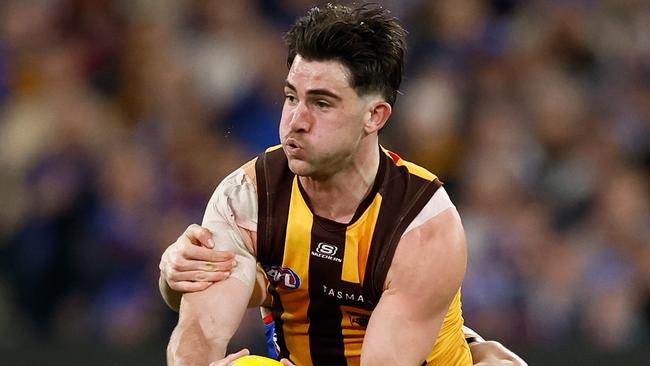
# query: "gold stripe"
[352,334]
[416,170]
[273,148]
[413,168]
[296,256]
[357,243]
[450,347]
[358,237]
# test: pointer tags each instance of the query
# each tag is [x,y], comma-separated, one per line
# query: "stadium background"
[118,118]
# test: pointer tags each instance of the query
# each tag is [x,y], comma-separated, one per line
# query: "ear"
[378,112]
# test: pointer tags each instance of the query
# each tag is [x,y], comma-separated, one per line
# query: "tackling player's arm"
[191,264]
[426,272]
[490,353]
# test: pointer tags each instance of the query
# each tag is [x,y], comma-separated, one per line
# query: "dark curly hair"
[366,39]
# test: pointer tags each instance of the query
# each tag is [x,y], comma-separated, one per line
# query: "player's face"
[322,121]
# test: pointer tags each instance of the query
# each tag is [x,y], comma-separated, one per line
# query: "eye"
[322,104]
[289,98]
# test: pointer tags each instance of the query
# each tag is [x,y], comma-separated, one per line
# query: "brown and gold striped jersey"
[326,277]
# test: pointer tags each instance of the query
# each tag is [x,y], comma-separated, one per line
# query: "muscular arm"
[426,272]
[201,336]
[209,318]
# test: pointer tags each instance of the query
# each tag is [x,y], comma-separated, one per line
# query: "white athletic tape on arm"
[233,205]
[438,203]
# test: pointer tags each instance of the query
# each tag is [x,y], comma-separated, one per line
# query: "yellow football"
[255,361]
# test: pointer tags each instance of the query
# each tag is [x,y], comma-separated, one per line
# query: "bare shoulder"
[432,257]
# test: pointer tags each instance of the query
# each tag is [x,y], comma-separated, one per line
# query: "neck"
[337,197]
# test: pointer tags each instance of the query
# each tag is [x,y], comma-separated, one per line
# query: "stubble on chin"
[298,167]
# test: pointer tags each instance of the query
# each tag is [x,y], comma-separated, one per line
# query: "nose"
[300,119]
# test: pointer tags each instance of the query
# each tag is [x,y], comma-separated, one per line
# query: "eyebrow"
[323,92]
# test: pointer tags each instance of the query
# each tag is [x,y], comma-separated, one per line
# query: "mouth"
[292,148]
[292,144]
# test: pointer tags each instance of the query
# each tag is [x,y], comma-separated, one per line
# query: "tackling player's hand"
[492,353]
[191,264]
[233,356]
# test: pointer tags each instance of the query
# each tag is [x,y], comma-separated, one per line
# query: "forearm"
[207,320]
[172,298]
[189,345]
[397,349]
[398,338]
[419,290]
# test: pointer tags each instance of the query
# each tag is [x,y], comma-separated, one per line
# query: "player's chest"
[323,262]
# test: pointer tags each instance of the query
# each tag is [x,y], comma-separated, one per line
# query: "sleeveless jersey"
[325,277]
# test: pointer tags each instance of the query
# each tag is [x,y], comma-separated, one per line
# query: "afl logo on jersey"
[281,277]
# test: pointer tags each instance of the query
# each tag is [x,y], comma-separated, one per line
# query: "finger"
[286,362]
[188,286]
[199,235]
[190,251]
[200,276]
[184,265]
[233,356]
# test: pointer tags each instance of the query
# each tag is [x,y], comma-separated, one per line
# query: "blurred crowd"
[119,118]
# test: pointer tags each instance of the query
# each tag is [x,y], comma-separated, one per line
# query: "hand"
[191,264]
[492,353]
[232,357]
